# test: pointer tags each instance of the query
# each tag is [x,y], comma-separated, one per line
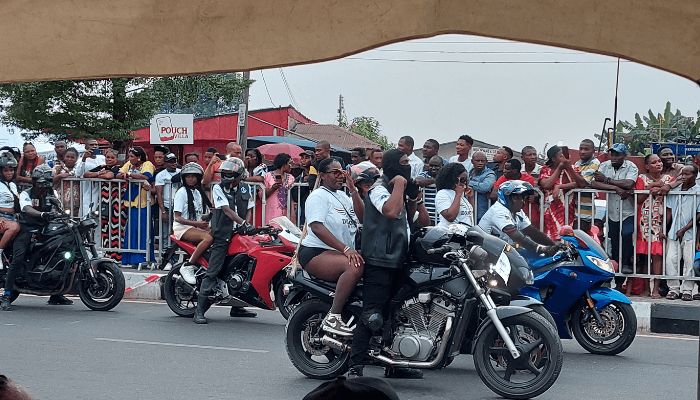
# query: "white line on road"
[9,324]
[193,346]
[692,339]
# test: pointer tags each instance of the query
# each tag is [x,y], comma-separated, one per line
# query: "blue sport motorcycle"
[574,287]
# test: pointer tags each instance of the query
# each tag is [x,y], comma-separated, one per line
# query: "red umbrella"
[269,151]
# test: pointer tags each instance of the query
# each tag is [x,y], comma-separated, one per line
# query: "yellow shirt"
[139,200]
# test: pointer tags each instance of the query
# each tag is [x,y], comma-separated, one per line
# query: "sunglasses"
[336,172]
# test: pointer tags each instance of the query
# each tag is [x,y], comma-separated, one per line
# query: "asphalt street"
[143,351]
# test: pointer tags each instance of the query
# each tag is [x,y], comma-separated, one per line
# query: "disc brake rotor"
[612,324]
[310,338]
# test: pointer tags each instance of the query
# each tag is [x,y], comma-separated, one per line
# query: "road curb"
[141,285]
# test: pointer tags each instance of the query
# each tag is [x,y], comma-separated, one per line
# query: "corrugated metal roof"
[335,135]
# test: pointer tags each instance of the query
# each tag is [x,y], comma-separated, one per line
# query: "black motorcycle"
[453,300]
[62,259]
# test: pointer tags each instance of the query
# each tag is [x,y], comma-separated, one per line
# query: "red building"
[219,130]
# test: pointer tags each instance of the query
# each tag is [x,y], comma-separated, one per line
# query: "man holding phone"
[92,158]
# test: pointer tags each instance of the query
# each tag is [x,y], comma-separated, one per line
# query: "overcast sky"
[453,93]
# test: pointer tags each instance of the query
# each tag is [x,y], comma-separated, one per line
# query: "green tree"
[370,128]
[112,108]
[669,126]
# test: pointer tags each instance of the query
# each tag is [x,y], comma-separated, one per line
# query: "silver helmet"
[7,159]
[192,169]
[232,169]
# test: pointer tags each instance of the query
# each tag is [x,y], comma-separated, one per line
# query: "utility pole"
[342,119]
[617,85]
[243,115]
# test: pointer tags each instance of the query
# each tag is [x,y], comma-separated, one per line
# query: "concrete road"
[143,351]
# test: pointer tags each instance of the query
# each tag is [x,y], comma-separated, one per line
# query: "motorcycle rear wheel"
[107,291]
[303,332]
[541,355]
[615,337]
[180,298]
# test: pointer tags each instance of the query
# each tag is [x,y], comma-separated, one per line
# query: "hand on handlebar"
[553,249]
[48,216]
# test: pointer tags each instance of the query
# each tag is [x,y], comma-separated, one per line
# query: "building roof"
[335,135]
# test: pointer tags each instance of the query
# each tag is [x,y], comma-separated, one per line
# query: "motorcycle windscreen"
[591,243]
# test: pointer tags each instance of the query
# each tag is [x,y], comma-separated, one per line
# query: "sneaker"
[356,371]
[187,272]
[333,324]
[5,304]
[168,267]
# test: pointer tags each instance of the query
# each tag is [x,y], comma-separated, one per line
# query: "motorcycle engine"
[423,319]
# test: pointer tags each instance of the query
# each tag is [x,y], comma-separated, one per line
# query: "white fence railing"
[129,219]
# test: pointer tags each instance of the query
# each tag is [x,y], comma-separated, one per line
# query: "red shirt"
[524,176]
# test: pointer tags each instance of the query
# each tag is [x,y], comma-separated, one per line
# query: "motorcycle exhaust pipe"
[335,344]
[420,364]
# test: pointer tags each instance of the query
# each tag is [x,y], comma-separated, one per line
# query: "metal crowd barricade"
[682,265]
[295,205]
[91,199]
[529,208]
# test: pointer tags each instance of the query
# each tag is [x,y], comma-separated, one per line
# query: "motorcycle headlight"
[605,265]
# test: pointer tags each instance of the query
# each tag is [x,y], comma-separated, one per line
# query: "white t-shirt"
[330,209]
[7,196]
[220,199]
[26,200]
[498,217]
[416,164]
[378,195]
[180,204]
[467,163]
[443,201]
[164,178]
[90,190]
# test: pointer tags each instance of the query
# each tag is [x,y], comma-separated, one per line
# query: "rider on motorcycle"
[37,207]
[229,211]
[506,219]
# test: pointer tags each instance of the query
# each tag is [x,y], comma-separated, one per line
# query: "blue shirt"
[482,184]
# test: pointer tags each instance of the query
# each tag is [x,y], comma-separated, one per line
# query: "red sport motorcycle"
[254,272]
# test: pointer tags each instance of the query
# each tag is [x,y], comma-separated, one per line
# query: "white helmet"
[192,169]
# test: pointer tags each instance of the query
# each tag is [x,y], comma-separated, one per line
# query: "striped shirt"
[429,193]
[584,204]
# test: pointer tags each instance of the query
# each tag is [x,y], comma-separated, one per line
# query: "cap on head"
[170,157]
[619,148]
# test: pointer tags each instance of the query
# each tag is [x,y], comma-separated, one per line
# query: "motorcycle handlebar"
[443,249]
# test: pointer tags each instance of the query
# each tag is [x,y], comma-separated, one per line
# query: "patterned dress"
[650,217]
[554,207]
[113,215]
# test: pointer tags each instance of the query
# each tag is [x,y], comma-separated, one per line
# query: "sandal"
[687,297]
[672,296]
[696,296]
[656,296]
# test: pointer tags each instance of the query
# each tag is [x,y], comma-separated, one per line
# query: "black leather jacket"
[384,240]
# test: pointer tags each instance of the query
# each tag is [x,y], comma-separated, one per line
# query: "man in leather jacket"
[390,210]
[36,205]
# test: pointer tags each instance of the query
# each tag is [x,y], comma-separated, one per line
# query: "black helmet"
[7,159]
[42,176]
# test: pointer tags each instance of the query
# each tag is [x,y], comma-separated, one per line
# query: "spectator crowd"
[648,221]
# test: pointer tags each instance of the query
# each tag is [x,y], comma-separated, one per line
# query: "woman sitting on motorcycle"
[189,208]
[9,202]
[328,250]
[451,201]
[506,219]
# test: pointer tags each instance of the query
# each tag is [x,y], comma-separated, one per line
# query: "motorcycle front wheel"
[107,289]
[180,296]
[616,334]
[303,343]
[538,366]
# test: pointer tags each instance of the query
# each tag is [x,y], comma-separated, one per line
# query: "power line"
[480,52]
[478,62]
[289,90]
[267,90]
